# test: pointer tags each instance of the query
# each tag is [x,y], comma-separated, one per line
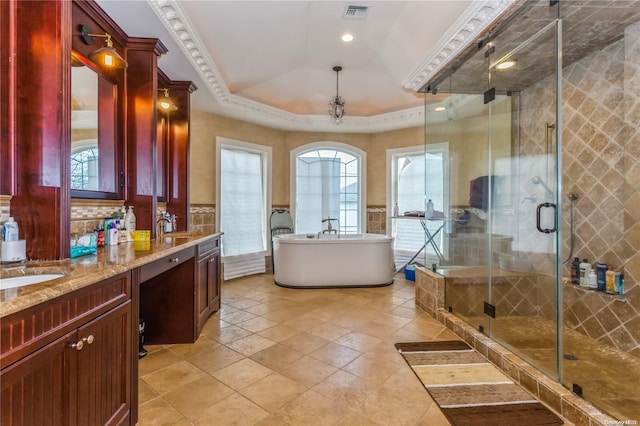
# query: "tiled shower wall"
[601,165]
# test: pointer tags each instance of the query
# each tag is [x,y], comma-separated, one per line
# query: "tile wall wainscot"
[376,220]
[429,296]
[601,165]
[203,218]
[86,214]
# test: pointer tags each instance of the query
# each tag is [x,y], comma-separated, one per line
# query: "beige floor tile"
[387,409]
[242,373]
[156,360]
[273,391]
[215,360]
[229,334]
[374,370]
[308,371]
[251,344]
[237,317]
[305,342]
[233,410]
[203,344]
[358,341]
[191,399]
[158,412]
[173,376]
[145,392]
[277,357]
[329,331]
[259,309]
[279,332]
[346,388]
[257,324]
[335,354]
[312,408]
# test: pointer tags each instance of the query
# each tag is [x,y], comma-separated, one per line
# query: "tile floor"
[276,356]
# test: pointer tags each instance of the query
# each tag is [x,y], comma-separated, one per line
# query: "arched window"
[84,165]
[328,181]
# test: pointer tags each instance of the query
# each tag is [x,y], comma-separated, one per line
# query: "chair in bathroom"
[280,222]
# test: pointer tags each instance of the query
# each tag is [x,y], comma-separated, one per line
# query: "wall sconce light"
[105,56]
[165,103]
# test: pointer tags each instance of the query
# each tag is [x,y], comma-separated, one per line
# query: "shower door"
[523,136]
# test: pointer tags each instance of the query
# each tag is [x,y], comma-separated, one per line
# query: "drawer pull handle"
[89,340]
[174,260]
[77,346]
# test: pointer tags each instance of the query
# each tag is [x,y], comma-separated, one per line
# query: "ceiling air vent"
[356,11]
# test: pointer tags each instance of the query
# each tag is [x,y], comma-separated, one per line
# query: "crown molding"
[476,19]
[472,23]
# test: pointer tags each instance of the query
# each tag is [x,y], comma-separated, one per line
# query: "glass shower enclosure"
[528,115]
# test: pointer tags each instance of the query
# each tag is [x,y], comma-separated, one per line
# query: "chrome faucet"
[330,228]
[160,226]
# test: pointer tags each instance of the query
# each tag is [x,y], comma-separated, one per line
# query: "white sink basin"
[14,282]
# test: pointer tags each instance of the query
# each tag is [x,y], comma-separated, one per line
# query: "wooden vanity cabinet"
[68,361]
[208,280]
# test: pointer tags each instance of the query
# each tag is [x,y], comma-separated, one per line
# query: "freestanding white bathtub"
[353,260]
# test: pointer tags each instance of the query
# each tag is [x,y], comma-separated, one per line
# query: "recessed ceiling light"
[347,37]
[440,108]
[505,65]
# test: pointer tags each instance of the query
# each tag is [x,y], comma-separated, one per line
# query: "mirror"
[93,132]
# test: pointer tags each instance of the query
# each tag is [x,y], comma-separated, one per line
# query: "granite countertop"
[87,270]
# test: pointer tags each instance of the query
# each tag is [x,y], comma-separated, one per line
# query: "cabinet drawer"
[156,268]
[205,248]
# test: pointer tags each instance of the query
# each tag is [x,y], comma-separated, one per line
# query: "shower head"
[537,180]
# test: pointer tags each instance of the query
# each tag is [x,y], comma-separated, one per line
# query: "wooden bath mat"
[469,390]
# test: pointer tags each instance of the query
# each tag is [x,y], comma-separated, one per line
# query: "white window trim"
[362,175]
[222,142]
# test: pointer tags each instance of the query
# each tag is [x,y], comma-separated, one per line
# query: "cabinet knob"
[88,340]
[174,260]
[77,346]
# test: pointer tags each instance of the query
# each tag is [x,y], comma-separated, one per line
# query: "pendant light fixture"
[336,106]
[105,56]
[165,103]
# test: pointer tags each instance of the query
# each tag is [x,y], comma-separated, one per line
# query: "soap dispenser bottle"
[429,212]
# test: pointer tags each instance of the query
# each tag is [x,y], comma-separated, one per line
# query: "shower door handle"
[540,207]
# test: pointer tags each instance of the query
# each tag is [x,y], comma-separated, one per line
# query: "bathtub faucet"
[330,228]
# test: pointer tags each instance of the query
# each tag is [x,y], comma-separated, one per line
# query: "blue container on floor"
[410,272]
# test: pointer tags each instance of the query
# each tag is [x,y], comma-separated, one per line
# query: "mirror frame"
[109,136]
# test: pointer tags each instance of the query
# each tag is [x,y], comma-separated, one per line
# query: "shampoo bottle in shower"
[575,271]
[585,269]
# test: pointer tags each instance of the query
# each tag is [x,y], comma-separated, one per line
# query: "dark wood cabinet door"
[39,389]
[104,369]
[207,287]
[202,291]
[213,283]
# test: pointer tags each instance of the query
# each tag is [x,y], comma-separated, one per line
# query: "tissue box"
[142,236]
[410,272]
[13,251]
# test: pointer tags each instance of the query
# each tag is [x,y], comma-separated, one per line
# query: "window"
[84,165]
[243,199]
[328,182]
[415,176]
